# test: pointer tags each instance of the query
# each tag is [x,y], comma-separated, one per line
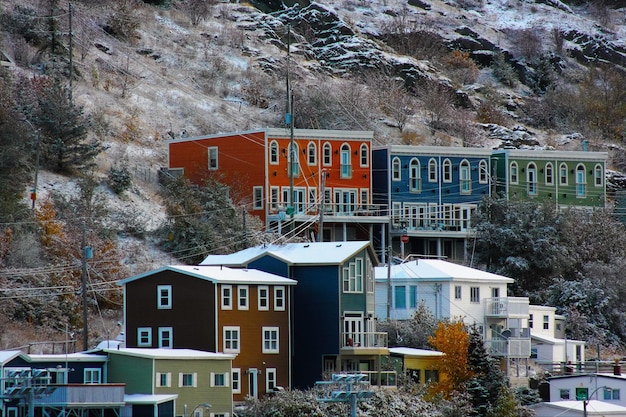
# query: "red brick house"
[331,171]
[244,312]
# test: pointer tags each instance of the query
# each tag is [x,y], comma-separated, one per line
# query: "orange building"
[331,174]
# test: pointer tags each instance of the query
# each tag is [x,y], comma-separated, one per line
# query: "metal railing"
[356,340]
[507,307]
[513,347]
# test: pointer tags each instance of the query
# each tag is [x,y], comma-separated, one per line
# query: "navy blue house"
[432,192]
[333,306]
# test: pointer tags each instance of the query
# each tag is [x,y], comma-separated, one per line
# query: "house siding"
[136,373]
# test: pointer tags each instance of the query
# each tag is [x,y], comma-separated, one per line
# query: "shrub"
[461,67]
[503,70]
[120,179]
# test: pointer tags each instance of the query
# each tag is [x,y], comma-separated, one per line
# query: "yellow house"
[421,365]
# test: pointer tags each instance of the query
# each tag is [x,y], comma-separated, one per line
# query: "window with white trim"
[231,339]
[219,379]
[227,297]
[274,199]
[257,197]
[144,337]
[92,376]
[166,337]
[369,276]
[447,170]
[365,197]
[549,174]
[327,154]
[187,379]
[163,379]
[581,181]
[365,155]
[483,172]
[164,297]
[457,292]
[396,167]
[213,158]
[311,154]
[415,181]
[514,174]
[465,178]
[598,176]
[546,323]
[531,178]
[353,277]
[274,153]
[432,170]
[563,174]
[270,379]
[236,378]
[293,153]
[263,298]
[346,162]
[242,299]
[270,340]
[474,294]
[279,298]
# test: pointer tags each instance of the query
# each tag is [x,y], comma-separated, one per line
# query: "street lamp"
[586,400]
[205,405]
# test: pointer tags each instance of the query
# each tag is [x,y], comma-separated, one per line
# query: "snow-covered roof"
[73,357]
[553,340]
[594,407]
[407,351]
[155,353]
[220,274]
[307,253]
[148,398]
[7,355]
[438,270]
[558,155]
[588,375]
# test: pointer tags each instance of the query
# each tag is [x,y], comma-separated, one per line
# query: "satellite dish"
[506,333]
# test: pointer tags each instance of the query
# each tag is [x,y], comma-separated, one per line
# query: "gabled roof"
[155,353]
[438,270]
[308,253]
[9,355]
[219,274]
[415,353]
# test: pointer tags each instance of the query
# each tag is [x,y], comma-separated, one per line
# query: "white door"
[353,330]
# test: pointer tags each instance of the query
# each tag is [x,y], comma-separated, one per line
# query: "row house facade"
[241,312]
[329,172]
[565,178]
[432,192]
[334,306]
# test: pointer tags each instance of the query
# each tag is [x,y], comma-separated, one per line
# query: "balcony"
[83,396]
[513,347]
[376,379]
[364,343]
[507,307]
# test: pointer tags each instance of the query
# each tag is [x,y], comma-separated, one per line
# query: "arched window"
[395,169]
[311,154]
[465,177]
[581,181]
[432,170]
[549,174]
[274,152]
[447,170]
[365,155]
[483,172]
[328,154]
[514,173]
[531,178]
[598,176]
[346,161]
[563,174]
[295,154]
[415,182]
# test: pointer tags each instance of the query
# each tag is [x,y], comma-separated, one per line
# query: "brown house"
[212,308]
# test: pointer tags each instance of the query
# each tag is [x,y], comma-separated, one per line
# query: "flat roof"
[156,353]
[438,270]
[407,351]
[148,398]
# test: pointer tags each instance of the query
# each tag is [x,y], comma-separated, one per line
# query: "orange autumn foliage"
[453,340]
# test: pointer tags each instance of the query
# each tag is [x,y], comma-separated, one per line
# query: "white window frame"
[274,197]
[447,170]
[213,161]
[228,297]
[236,380]
[364,155]
[148,335]
[270,379]
[415,178]
[278,299]
[181,379]
[365,198]
[563,179]
[531,179]
[458,292]
[432,170]
[92,376]
[345,161]
[274,153]
[514,174]
[261,298]
[164,302]
[396,169]
[226,379]
[162,339]
[243,302]
[483,172]
[549,174]
[168,379]
[465,177]
[353,277]
[270,344]
[580,177]
[327,157]
[474,295]
[311,154]
[231,344]
[257,197]
[598,176]
[296,159]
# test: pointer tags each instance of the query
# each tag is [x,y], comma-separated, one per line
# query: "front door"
[253,382]
[353,330]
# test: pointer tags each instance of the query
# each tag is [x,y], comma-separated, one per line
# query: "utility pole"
[292,154]
[84,292]
[320,229]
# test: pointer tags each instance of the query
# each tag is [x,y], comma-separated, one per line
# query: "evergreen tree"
[64,128]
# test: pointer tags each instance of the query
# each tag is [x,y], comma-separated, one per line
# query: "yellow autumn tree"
[452,339]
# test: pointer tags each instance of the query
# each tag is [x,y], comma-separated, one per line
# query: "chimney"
[617,368]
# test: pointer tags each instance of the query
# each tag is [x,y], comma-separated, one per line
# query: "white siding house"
[548,344]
